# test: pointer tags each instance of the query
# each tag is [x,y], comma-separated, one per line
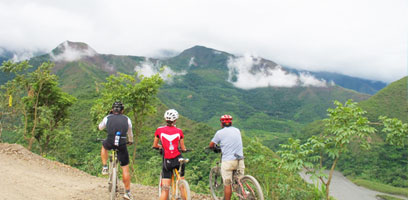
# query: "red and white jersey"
[170,137]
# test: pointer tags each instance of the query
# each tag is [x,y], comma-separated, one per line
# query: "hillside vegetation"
[383,162]
[80,148]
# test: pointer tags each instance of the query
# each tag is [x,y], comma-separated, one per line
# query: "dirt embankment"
[24,175]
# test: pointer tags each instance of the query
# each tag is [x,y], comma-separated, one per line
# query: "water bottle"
[171,148]
[117,138]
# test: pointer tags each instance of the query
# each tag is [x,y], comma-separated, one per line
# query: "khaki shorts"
[228,166]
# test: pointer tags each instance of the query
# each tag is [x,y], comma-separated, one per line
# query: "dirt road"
[24,175]
[343,189]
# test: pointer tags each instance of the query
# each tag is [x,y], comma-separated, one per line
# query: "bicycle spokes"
[249,189]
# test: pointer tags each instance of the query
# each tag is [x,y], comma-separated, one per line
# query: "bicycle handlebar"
[161,150]
[216,149]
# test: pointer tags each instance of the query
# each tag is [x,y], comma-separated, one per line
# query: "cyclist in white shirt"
[230,141]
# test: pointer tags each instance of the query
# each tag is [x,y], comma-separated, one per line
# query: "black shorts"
[169,165]
[123,154]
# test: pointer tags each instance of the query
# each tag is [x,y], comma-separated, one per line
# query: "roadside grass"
[381,187]
[386,197]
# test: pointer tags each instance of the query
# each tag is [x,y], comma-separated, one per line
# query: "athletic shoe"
[128,196]
[105,170]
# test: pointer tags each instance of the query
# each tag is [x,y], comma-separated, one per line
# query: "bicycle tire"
[251,187]
[216,183]
[160,180]
[180,184]
[114,184]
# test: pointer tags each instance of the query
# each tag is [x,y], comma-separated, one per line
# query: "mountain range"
[203,83]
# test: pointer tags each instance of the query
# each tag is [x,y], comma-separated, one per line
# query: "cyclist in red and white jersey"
[170,137]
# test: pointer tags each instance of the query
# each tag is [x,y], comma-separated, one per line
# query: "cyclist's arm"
[102,125]
[156,143]
[182,146]
[214,141]
[130,132]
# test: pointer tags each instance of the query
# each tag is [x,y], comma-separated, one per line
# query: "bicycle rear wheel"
[183,190]
[114,183]
[251,189]
[216,183]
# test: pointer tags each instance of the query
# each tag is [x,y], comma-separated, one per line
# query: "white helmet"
[171,115]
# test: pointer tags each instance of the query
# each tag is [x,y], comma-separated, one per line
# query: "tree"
[345,124]
[41,102]
[137,93]
[396,130]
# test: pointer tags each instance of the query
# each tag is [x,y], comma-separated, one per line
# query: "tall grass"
[381,187]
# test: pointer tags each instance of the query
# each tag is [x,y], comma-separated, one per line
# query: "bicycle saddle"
[183,160]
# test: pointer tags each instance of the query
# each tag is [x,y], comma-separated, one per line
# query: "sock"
[127,191]
[105,166]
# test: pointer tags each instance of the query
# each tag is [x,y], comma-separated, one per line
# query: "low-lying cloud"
[69,53]
[243,75]
[148,68]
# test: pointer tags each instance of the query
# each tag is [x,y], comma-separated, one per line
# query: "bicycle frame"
[237,181]
[176,182]
[177,178]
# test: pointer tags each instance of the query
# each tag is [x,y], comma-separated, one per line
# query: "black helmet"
[117,106]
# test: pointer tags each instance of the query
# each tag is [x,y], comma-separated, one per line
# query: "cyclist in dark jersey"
[117,124]
[170,138]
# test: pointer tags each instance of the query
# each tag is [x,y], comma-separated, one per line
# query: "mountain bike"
[180,190]
[113,181]
[243,187]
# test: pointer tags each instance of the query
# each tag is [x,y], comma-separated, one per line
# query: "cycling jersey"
[117,123]
[169,137]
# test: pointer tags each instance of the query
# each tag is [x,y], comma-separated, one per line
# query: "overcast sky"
[362,38]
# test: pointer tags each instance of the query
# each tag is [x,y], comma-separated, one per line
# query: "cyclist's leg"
[241,168]
[167,171]
[166,182]
[226,172]
[104,156]
[126,177]
[123,157]
[104,152]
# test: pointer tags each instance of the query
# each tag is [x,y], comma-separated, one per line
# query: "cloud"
[69,53]
[306,80]
[349,37]
[192,62]
[148,68]
[21,56]
[249,72]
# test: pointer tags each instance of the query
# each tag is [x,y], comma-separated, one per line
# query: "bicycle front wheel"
[216,184]
[250,189]
[183,190]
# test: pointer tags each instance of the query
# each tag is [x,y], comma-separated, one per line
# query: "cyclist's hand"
[157,148]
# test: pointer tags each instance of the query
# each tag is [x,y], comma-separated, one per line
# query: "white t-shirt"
[230,141]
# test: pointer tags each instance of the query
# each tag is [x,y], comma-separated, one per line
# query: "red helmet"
[226,119]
